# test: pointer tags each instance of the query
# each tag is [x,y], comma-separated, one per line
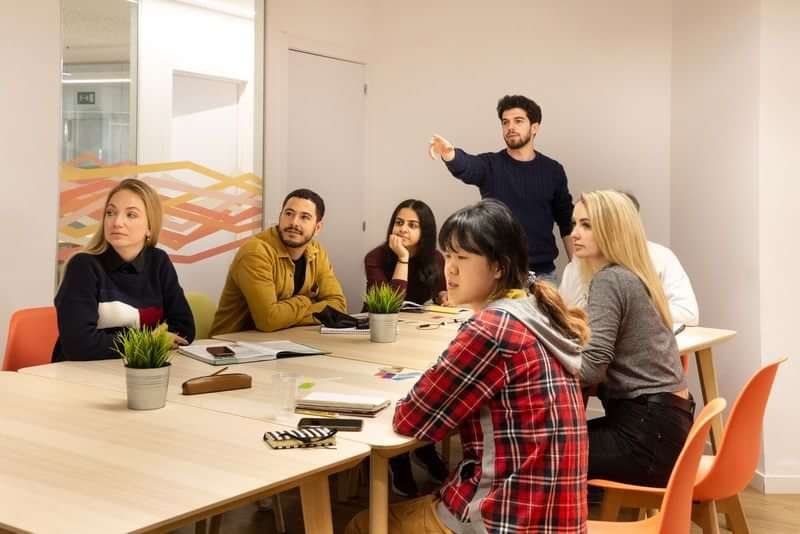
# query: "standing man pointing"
[531,184]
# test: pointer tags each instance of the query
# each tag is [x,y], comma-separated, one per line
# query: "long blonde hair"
[619,234]
[152,207]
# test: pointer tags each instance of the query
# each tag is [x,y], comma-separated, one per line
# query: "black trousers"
[639,440]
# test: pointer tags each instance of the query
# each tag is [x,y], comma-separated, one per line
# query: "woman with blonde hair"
[632,352]
[120,280]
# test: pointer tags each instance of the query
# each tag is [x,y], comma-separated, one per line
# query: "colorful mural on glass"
[206,213]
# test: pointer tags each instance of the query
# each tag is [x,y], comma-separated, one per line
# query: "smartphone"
[344,425]
[220,352]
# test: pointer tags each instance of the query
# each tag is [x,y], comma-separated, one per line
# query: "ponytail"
[570,322]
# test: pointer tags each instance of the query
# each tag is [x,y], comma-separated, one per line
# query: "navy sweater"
[536,192]
[102,294]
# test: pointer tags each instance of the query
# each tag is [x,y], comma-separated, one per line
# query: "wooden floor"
[767,514]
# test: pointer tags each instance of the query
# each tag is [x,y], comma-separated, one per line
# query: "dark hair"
[427,269]
[490,230]
[530,107]
[307,194]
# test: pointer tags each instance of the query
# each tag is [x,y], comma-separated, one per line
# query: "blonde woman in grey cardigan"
[632,354]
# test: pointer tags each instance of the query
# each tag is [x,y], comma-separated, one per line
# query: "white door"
[327,118]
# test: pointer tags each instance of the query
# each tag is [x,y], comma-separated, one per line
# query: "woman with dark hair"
[508,383]
[408,260]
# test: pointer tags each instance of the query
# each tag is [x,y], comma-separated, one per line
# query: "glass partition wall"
[166,91]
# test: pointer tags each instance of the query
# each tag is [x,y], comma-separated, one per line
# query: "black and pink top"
[103,294]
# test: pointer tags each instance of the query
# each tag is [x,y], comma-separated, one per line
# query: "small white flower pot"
[147,388]
[383,327]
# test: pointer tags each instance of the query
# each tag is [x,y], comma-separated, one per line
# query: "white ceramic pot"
[383,327]
[147,388]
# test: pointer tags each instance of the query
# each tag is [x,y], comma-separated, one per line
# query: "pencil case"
[301,438]
[213,383]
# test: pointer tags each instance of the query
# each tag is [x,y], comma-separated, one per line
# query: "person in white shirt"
[678,288]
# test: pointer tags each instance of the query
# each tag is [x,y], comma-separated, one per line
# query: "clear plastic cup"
[284,389]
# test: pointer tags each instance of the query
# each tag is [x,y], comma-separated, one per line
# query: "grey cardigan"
[630,350]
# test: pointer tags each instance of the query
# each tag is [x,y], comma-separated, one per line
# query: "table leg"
[710,389]
[378,493]
[316,500]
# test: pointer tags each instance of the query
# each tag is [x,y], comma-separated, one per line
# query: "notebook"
[363,405]
[246,352]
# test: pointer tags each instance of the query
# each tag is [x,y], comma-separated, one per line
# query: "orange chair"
[675,514]
[32,334]
[720,478]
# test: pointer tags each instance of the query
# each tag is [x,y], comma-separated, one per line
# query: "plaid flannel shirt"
[496,375]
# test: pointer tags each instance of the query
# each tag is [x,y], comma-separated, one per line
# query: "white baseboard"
[775,484]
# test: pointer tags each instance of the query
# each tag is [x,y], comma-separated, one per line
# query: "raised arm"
[469,169]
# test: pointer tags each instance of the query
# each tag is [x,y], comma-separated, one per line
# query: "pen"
[680,329]
[316,413]
[218,372]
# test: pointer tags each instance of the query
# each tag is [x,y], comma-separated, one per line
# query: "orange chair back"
[32,334]
[676,509]
[740,447]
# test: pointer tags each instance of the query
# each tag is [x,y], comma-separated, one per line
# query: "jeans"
[637,442]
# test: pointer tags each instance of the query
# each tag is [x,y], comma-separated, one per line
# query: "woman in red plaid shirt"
[507,383]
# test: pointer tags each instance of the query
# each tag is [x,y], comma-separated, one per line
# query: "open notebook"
[363,405]
[246,352]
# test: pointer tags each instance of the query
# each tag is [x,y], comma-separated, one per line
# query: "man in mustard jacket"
[282,275]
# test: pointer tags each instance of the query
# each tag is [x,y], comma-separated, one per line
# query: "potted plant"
[145,353]
[383,304]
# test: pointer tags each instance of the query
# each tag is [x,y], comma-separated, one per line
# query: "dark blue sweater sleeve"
[562,204]
[76,309]
[177,313]
[470,169]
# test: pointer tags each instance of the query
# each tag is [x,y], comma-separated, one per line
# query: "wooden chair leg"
[612,502]
[200,527]
[216,524]
[705,515]
[734,515]
[277,509]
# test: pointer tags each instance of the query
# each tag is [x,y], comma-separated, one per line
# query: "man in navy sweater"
[532,185]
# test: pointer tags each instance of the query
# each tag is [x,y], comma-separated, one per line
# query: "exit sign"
[85,97]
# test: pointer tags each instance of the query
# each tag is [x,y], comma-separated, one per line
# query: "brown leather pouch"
[210,384]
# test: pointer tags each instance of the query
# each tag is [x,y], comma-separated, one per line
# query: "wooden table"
[73,458]
[415,348]
[700,340]
[326,373]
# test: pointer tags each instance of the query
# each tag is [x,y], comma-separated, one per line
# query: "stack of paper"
[363,405]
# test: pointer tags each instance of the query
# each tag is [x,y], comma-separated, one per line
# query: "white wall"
[600,72]
[734,147]
[30,98]
[339,29]
[778,197]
